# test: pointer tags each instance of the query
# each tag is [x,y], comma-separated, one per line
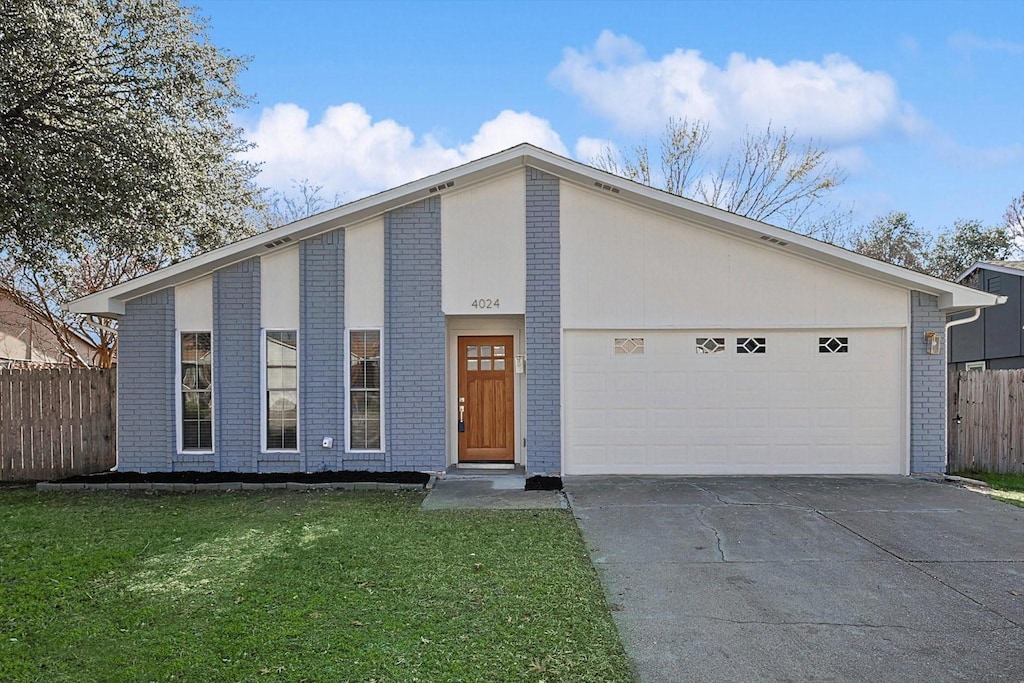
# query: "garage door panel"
[789,410]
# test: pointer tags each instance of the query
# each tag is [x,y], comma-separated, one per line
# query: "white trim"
[982,265]
[347,394]
[952,297]
[178,408]
[263,392]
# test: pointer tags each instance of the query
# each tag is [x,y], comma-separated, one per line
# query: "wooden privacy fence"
[57,422]
[986,421]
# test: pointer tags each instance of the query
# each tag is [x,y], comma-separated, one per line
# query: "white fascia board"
[109,302]
[981,265]
[952,297]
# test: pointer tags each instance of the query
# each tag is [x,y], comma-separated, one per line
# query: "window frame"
[264,389]
[179,407]
[348,389]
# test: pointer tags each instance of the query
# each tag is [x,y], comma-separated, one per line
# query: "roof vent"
[442,186]
[608,188]
[773,240]
[278,242]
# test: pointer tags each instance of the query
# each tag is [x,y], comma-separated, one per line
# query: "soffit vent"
[442,186]
[773,240]
[607,188]
[277,242]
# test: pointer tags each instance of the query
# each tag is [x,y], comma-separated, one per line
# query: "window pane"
[485,364]
[189,406]
[499,350]
[282,378]
[499,364]
[206,435]
[282,405]
[364,389]
[190,435]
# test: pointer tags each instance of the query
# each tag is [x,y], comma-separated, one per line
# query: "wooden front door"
[486,409]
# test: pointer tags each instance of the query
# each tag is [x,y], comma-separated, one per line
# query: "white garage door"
[735,402]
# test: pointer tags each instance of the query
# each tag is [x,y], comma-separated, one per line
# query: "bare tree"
[1013,221]
[306,199]
[768,176]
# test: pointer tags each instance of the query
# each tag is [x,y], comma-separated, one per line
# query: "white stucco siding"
[193,305]
[279,289]
[483,248]
[790,410]
[624,266]
[364,274]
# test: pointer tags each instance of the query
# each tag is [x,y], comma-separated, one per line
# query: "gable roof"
[952,297]
[1009,267]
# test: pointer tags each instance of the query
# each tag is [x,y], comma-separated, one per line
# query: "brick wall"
[146,435]
[322,350]
[236,366]
[927,387]
[543,324]
[414,338]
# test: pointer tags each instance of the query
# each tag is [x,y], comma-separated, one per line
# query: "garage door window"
[710,345]
[833,344]
[629,346]
[750,345]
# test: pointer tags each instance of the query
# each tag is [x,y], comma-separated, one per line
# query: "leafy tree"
[768,176]
[966,243]
[115,130]
[117,152]
[895,239]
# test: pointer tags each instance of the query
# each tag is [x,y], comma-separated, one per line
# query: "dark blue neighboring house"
[996,340]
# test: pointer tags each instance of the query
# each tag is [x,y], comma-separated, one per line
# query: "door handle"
[462,418]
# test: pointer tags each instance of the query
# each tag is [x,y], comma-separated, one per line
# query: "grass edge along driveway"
[1008,488]
[316,586]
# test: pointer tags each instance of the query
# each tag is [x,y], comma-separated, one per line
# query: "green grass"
[1008,488]
[290,586]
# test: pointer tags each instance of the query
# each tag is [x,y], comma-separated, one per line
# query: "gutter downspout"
[951,324]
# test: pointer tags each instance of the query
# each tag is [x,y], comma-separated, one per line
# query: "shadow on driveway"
[808,578]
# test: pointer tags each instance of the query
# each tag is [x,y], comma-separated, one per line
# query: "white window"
[195,395]
[975,365]
[364,405]
[281,391]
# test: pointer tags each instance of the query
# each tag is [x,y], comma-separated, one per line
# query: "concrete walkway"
[488,490]
[808,578]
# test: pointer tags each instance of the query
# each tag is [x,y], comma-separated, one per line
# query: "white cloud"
[588,149]
[347,152]
[965,41]
[834,99]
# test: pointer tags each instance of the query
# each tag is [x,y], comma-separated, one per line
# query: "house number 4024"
[486,303]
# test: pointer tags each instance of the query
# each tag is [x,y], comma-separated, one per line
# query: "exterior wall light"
[934,341]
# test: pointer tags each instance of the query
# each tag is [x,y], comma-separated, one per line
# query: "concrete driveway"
[808,578]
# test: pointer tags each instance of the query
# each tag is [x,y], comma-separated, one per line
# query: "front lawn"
[1009,488]
[292,586]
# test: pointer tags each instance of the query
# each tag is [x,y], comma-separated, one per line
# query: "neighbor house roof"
[1011,267]
[952,297]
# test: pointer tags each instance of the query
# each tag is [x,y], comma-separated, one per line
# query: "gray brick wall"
[414,338]
[322,350]
[927,387]
[146,436]
[236,366]
[543,324]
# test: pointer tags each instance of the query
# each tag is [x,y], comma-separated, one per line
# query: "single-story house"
[25,343]
[995,341]
[526,309]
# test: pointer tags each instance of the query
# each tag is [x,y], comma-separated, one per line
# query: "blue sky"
[922,102]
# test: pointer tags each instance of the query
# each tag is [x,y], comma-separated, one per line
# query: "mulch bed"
[192,477]
[540,483]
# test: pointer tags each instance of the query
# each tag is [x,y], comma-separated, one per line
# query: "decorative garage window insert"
[833,344]
[629,346]
[364,426]
[196,391]
[750,345]
[710,345]
[282,390]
